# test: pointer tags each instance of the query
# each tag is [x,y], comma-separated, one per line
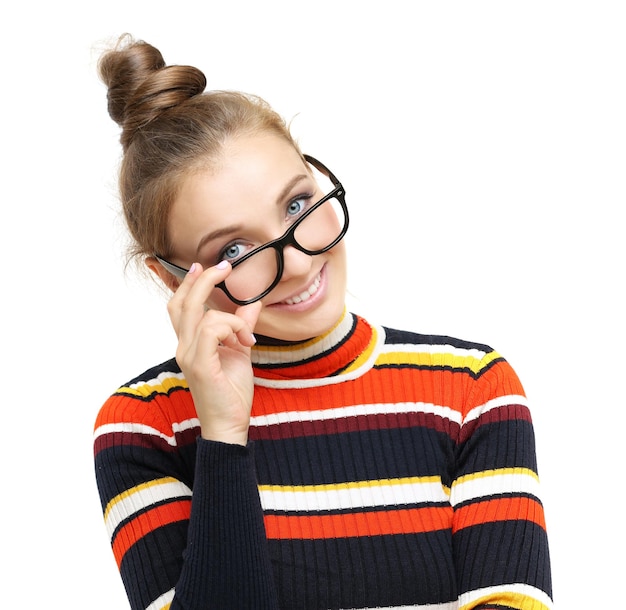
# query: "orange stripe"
[376,523]
[122,409]
[148,522]
[500,509]
[387,385]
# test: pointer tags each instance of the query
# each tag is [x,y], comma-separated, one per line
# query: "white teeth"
[306,295]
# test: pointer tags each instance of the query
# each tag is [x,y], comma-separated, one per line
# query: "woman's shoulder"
[484,373]
[157,378]
[159,394]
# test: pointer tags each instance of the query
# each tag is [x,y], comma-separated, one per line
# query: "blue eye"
[297,206]
[232,252]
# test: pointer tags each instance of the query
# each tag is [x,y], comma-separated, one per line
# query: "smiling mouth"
[307,294]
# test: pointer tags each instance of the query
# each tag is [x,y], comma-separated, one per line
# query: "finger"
[197,356]
[230,330]
[187,306]
[250,315]
[217,329]
[175,303]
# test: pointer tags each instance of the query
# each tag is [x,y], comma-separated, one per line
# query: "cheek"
[340,257]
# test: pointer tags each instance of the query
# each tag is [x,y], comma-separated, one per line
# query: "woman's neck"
[323,356]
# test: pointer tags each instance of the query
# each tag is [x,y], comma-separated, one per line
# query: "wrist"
[229,437]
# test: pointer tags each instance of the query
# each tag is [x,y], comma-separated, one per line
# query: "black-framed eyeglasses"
[316,231]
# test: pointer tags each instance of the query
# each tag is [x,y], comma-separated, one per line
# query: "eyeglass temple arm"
[179,272]
[322,168]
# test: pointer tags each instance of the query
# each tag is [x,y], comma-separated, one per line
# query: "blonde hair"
[170,128]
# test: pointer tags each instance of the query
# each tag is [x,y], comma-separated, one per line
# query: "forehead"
[247,163]
[265,153]
[250,173]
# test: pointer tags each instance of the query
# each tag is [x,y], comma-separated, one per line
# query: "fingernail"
[253,338]
[222,265]
[192,268]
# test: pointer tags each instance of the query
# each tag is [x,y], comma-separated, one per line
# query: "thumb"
[250,313]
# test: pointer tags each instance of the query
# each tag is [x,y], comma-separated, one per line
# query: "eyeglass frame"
[280,243]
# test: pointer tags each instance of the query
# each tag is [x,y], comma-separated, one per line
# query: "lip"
[294,304]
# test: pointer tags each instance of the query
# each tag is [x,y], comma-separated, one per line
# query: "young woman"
[293,455]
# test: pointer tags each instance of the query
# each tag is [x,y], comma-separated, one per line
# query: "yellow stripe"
[133,490]
[436,360]
[496,472]
[351,485]
[147,389]
[519,601]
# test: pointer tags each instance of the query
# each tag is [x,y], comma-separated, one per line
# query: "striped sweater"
[384,469]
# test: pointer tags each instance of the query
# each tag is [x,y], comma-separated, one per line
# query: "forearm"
[171,544]
[226,560]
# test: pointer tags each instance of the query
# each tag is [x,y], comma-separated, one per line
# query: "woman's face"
[251,196]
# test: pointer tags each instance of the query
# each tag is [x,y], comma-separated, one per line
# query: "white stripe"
[426,348]
[376,493]
[501,401]
[158,380]
[142,498]
[134,428]
[444,606]
[284,417]
[186,424]
[161,602]
[498,591]
[262,354]
[492,484]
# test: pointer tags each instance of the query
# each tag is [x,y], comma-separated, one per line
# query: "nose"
[296,263]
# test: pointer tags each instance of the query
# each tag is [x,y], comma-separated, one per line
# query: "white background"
[483,148]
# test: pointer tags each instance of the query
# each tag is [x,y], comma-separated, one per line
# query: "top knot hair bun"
[141,87]
[170,127]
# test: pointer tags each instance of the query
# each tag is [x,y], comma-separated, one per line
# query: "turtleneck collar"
[334,353]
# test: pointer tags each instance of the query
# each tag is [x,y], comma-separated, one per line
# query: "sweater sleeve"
[499,531]
[174,548]
[226,561]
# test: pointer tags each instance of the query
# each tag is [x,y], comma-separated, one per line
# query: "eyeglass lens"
[315,233]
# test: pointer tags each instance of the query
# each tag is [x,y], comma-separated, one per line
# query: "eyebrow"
[229,230]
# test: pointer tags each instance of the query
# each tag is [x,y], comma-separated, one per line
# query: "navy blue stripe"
[505,444]
[373,571]
[112,480]
[394,336]
[515,551]
[355,456]
[169,366]
[144,586]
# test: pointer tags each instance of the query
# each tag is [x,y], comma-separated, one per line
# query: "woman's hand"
[214,354]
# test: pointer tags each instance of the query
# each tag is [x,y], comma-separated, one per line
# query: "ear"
[170,280]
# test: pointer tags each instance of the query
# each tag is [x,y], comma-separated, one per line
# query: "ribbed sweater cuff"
[227,563]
